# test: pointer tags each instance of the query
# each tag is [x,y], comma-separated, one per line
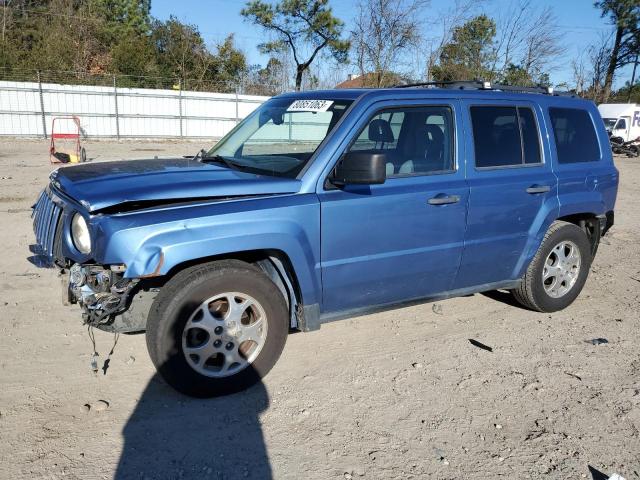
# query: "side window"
[376,136]
[416,140]
[575,135]
[530,137]
[505,136]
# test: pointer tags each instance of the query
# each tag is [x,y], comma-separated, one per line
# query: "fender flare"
[165,250]
[571,204]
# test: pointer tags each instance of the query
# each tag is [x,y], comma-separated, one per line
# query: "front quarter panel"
[155,241]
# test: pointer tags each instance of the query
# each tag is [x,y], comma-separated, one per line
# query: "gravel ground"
[401,394]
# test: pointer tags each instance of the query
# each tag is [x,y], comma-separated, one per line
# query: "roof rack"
[484,85]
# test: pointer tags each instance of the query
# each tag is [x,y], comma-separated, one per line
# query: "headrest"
[509,131]
[426,137]
[380,131]
[435,133]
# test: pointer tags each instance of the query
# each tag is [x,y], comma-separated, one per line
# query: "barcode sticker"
[310,106]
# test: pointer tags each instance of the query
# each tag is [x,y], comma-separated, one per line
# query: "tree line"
[307,46]
[82,39]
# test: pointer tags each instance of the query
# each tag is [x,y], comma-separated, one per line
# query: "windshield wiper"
[201,154]
[218,159]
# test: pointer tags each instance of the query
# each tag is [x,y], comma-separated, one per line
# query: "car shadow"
[503,297]
[38,259]
[172,436]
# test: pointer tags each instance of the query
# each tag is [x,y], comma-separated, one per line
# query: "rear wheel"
[558,271]
[217,329]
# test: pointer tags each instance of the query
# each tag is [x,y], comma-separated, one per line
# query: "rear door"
[512,189]
[403,239]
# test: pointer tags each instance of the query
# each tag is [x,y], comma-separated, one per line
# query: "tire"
[181,322]
[83,155]
[537,293]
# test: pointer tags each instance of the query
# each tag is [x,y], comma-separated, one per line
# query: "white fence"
[28,108]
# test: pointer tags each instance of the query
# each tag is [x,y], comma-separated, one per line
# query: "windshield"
[280,136]
[609,123]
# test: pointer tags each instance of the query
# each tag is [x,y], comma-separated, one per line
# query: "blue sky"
[578,20]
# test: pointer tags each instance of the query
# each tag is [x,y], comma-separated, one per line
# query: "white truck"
[621,119]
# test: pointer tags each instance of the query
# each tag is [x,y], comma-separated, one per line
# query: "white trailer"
[621,119]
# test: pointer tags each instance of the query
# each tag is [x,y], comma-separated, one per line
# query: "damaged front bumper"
[109,301]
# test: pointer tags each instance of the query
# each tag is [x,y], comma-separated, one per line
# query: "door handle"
[533,189]
[442,199]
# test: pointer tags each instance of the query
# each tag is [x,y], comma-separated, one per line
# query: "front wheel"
[216,329]
[558,271]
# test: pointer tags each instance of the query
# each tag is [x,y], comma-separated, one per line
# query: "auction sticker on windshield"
[310,106]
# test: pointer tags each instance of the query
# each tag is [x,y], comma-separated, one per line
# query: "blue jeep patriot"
[328,204]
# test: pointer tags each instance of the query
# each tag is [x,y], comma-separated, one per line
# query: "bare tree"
[528,38]
[579,74]
[330,74]
[383,31]
[461,12]
[543,44]
[526,45]
[598,57]
[510,35]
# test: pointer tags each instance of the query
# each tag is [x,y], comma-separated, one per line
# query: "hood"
[99,186]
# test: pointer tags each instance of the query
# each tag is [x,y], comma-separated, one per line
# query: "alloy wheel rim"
[561,269]
[225,334]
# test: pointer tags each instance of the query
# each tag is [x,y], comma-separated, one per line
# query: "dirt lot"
[401,394]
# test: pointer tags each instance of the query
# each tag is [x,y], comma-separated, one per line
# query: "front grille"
[46,219]
[57,241]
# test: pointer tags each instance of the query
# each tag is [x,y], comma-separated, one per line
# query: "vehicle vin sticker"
[310,106]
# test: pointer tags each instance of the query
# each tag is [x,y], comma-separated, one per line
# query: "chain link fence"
[124,106]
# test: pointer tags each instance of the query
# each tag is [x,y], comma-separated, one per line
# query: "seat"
[380,132]
[390,169]
[507,145]
[425,151]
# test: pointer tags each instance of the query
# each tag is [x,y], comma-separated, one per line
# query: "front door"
[401,240]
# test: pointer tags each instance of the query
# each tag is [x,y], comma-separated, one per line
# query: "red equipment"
[78,153]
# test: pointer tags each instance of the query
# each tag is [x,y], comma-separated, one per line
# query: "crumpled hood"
[101,185]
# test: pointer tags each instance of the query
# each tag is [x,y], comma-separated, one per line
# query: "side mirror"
[360,168]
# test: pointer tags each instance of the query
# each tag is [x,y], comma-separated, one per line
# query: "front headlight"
[80,234]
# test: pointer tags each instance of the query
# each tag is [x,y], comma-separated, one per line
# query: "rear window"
[575,135]
[505,136]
